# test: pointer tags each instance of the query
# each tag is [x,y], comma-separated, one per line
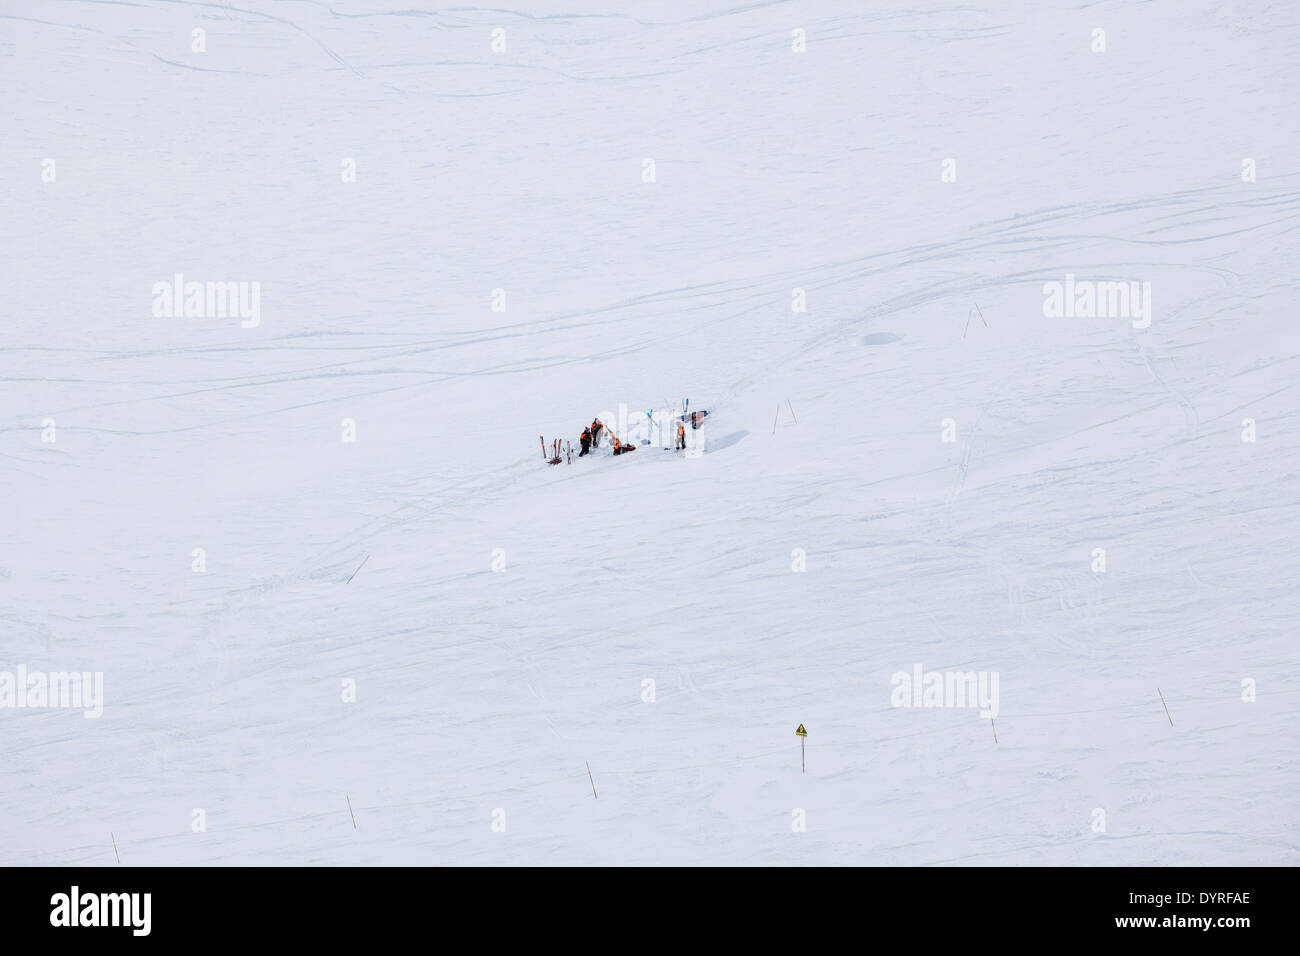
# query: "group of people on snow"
[591,435]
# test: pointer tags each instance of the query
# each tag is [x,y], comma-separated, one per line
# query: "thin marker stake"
[791,407]
[1162,700]
[359,567]
[592,779]
[350,813]
[114,839]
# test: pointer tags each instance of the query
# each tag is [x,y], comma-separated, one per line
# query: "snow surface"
[522,170]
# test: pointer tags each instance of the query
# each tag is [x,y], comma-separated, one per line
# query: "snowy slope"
[522,170]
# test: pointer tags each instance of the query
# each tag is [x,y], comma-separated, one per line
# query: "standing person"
[597,426]
[586,442]
[681,436]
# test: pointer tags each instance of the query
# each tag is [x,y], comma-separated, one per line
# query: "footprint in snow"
[881,338]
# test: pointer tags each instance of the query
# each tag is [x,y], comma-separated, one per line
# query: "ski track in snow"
[478,689]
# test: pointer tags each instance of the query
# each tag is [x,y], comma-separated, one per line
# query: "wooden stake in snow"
[592,779]
[803,754]
[1166,706]
[359,567]
[350,813]
[114,839]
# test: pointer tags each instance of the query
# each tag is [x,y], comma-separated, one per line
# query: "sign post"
[803,754]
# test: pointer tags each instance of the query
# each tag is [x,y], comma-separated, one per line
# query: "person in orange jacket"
[586,442]
[681,436]
[597,426]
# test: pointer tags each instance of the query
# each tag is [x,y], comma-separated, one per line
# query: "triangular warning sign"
[801,732]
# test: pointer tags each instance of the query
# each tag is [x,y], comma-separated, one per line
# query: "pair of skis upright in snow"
[560,451]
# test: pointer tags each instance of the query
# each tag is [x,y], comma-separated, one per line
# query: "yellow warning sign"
[801,732]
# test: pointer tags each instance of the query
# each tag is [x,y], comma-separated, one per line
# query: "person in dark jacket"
[586,442]
[596,428]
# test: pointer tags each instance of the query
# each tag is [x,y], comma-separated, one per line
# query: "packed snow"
[343,610]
